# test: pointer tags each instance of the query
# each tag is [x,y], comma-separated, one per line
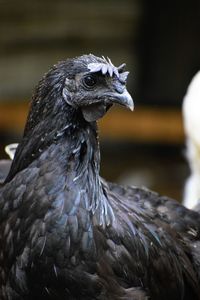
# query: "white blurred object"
[191,119]
[11,149]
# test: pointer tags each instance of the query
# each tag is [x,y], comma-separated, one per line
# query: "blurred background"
[160,43]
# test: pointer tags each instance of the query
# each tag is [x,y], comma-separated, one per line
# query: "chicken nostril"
[119,89]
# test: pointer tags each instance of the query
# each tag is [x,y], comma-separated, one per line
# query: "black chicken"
[65,233]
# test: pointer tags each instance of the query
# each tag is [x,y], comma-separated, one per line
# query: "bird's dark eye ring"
[89,81]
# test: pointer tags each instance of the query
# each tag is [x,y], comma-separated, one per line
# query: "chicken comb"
[107,67]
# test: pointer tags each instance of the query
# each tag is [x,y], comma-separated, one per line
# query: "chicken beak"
[95,111]
[123,99]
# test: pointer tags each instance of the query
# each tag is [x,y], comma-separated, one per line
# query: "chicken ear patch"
[94,112]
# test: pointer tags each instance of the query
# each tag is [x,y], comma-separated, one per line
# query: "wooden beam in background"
[145,124]
[13,116]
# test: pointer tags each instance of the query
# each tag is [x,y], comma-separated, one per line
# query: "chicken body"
[66,233]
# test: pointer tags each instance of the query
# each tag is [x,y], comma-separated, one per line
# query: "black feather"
[65,233]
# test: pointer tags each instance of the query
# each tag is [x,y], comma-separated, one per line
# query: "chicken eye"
[89,81]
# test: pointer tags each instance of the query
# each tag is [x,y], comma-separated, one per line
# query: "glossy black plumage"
[66,233]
